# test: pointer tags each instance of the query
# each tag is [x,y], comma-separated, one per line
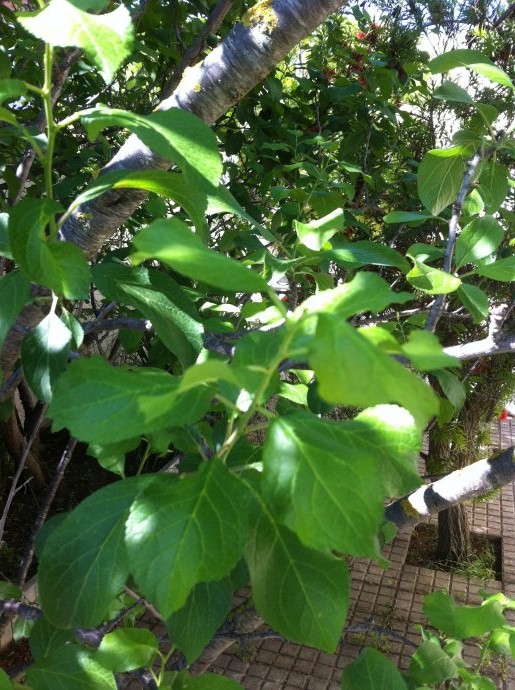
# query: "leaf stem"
[52,130]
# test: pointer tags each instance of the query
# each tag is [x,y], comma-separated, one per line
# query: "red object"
[361,35]
[504,415]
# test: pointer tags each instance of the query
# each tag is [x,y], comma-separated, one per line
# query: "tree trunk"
[453,535]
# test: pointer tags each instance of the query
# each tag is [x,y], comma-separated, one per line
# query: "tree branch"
[439,303]
[474,480]
[209,89]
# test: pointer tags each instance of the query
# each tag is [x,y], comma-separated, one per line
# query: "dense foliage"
[261,328]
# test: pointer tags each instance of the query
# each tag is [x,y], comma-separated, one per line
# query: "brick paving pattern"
[390,600]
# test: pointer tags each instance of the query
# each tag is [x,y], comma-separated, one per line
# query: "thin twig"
[43,513]
[21,466]
[439,303]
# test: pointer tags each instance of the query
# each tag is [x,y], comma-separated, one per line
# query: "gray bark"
[470,482]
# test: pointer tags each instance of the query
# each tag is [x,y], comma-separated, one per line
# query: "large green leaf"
[493,184]
[4,236]
[406,217]
[14,294]
[449,91]
[479,239]
[473,59]
[362,253]
[430,664]
[193,626]
[319,475]
[177,135]
[5,682]
[106,39]
[126,649]
[352,371]
[453,388]
[426,353]
[172,185]
[46,638]
[315,234]
[461,622]
[439,178]
[475,300]
[61,266]
[99,403]
[365,292]
[432,280]
[44,355]
[184,531]
[372,671]
[160,299]
[84,562]
[172,242]
[502,270]
[70,668]
[301,592]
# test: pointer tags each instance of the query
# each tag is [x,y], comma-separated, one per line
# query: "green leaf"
[318,474]
[453,388]
[45,638]
[171,185]
[84,563]
[475,300]
[405,217]
[111,456]
[70,668]
[44,355]
[362,253]
[449,91]
[493,184]
[372,671]
[365,292]
[158,297]
[4,236]
[14,295]
[461,622]
[301,592]
[190,529]
[99,403]
[5,683]
[193,626]
[11,89]
[430,664]
[74,326]
[106,39]
[478,239]
[172,242]
[126,649]
[432,280]
[352,371]
[66,271]
[474,60]
[177,135]
[61,266]
[207,681]
[440,176]
[502,270]
[424,252]
[315,234]
[426,353]
[9,591]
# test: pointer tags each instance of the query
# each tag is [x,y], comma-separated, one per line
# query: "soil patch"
[485,561]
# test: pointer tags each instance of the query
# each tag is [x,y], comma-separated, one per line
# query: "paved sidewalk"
[391,599]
